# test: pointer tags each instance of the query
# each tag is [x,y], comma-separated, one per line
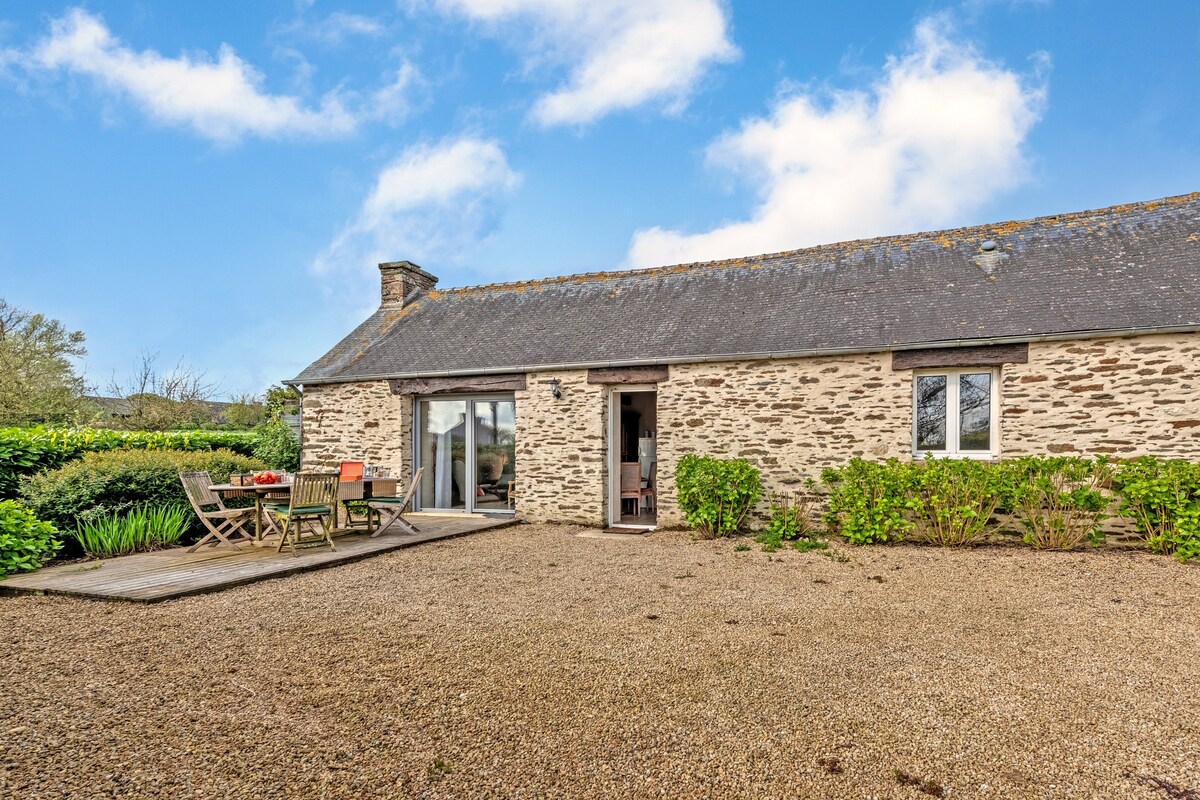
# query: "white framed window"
[956,412]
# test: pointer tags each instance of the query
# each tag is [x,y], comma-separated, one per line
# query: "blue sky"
[214,182]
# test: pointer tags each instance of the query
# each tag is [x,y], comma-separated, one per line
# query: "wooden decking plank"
[162,575]
[237,566]
[189,578]
[175,567]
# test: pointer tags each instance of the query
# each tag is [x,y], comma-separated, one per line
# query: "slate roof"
[1128,267]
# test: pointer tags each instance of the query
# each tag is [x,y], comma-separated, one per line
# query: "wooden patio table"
[261,490]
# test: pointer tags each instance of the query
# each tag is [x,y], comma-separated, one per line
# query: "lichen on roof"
[1120,267]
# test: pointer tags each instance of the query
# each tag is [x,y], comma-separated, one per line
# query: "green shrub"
[868,501]
[791,521]
[144,528]
[276,445]
[115,482]
[25,541]
[26,451]
[716,494]
[952,500]
[1060,501]
[1163,500]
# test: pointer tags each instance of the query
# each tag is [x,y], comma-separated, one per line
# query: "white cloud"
[332,30]
[620,53]
[937,135]
[393,100]
[430,205]
[222,99]
[339,25]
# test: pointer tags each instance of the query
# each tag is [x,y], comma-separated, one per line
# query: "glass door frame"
[469,442]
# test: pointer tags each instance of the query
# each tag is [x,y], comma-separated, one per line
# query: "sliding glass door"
[469,466]
[495,453]
[442,450]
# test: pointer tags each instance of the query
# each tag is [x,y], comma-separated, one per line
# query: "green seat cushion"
[304,510]
[386,500]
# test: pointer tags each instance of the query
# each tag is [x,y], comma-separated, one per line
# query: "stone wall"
[1130,396]
[561,450]
[357,422]
[790,418]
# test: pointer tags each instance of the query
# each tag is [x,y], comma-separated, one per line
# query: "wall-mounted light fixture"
[554,389]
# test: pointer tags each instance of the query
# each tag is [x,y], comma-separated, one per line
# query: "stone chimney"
[399,281]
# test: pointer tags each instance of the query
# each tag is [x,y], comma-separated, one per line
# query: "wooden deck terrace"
[166,574]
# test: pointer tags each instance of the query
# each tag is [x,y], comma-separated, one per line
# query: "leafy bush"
[145,528]
[868,501]
[276,445]
[791,521]
[1060,500]
[953,500]
[716,494]
[1163,500]
[25,541]
[102,484]
[25,451]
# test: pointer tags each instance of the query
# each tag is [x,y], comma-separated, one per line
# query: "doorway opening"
[633,457]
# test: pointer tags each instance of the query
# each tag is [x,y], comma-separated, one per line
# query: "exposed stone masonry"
[1124,397]
[791,418]
[397,279]
[561,449]
[357,422]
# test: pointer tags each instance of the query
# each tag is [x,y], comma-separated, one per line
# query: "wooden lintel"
[624,375]
[509,382]
[989,355]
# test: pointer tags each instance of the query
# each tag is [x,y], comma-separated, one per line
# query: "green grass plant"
[143,529]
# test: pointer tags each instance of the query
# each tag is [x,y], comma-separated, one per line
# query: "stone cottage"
[572,398]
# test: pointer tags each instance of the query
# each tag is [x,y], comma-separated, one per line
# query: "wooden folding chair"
[222,523]
[380,487]
[350,495]
[314,498]
[391,509]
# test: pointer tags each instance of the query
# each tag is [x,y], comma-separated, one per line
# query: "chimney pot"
[401,281]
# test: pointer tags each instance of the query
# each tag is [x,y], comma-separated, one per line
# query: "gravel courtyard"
[533,662]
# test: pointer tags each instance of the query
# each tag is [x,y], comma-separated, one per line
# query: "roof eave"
[765,356]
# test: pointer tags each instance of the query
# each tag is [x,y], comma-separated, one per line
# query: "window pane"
[931,412]
[975,411]
[443,453]
[495,452]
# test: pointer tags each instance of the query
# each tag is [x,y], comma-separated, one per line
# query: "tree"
[38,382]
[244,412]
[160,401]
[275,442]
[283,400]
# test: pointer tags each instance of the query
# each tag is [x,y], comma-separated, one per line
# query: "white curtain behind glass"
[442,493]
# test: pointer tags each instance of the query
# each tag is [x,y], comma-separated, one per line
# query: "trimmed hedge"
[26,451]
[115,482]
